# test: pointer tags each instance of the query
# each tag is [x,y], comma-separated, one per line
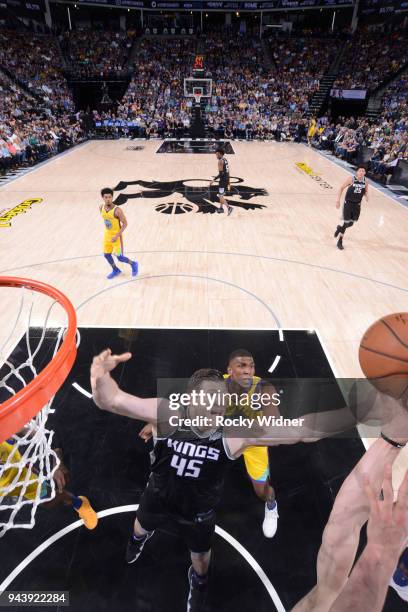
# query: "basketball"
[383,354]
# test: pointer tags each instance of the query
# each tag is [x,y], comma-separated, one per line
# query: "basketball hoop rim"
[19,409]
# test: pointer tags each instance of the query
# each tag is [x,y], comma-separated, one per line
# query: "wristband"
[392,442]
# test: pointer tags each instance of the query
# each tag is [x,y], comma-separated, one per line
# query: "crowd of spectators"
[29,134]
[386,137]
[154,101]
[250,102]
[34,60]
[370,58]
[251,99]
[89,52]
[301,63]
[258,101]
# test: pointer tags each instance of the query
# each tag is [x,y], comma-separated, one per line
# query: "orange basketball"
[383,354]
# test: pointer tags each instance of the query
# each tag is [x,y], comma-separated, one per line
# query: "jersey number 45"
[186,467]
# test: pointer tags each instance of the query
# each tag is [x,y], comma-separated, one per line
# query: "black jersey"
[189,471]
[224,173]
[356,191]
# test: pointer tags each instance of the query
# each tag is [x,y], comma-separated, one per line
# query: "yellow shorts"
[112,247]
[257,463]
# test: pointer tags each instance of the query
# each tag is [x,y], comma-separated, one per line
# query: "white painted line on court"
[275,363]
[333,368]
[82,390]
[132,508]
[255,566]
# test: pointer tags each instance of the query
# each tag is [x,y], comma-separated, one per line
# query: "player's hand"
[114,239]
[387,528]
[147,432]
[61,477]
[105,362]
[337,204]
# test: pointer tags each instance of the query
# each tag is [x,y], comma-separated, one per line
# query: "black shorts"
[222,187]
[154,511]
[351,211]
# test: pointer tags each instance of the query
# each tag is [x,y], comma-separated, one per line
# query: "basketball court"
[268,278]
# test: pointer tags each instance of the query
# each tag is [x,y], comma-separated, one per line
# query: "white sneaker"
[401,590]
[270,524]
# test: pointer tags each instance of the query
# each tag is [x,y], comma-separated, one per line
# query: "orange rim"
[19,409]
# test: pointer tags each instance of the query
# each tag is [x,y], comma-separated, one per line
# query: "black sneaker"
[198,593]
[340,244]
[220,209]
[337,232]
[230,209]
[134,548]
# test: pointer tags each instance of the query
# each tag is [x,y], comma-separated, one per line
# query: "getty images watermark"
[242,410]
[309,408]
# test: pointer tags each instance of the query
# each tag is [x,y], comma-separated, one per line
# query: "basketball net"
[197,97]
[44,323]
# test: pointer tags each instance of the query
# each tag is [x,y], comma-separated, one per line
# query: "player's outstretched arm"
[108,396]
[387,533]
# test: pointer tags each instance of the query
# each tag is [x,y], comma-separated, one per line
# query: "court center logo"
[190,195]
[316,177]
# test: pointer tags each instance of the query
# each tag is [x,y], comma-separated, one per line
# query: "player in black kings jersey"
[357,187]
[188,465]
[224,180]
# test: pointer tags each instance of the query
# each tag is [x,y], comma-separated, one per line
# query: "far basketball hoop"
[193,86]
[197,98]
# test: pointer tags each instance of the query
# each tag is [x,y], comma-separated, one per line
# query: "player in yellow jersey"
[241,380]
[12,484]
[312,130]
[115,225]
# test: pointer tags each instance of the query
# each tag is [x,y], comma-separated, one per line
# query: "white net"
[27,459]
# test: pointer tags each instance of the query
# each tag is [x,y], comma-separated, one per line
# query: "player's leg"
[118,250]
[257,467]
[79,503]
[342,533]
[224,206]
[198,536]
[34,490]
[107,253]
[149,516]
[346,222]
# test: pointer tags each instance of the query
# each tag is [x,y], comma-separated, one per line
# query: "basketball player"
[241,380]
[115,225]
[357,187]
[9,452]
[224,182]
[189,461]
